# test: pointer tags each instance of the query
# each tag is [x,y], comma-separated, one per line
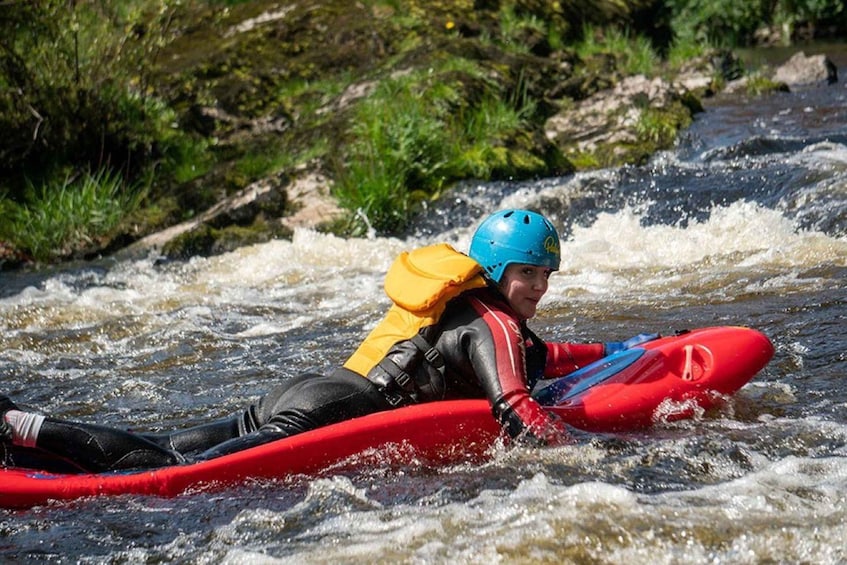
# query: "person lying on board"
[457,329]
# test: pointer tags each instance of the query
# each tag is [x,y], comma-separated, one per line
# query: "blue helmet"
[514,236]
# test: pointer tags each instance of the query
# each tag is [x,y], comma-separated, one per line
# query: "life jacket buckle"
[434,358]
[393,398]
[395,384]
[430,353]
[403,380]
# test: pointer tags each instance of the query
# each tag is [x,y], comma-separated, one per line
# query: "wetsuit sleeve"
[565,358]
[497,355]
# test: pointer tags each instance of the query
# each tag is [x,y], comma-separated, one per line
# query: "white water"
[320,277]
[760,480]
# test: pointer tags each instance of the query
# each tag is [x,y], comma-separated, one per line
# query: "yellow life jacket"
[419,283]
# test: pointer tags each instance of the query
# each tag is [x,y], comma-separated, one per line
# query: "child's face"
[523,286]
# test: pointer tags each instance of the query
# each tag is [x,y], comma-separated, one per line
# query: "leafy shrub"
[635,54]
[74,92]
[730,23]
[415,134]
[397,153]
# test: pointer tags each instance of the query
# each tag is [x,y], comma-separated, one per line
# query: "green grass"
[274,159]
[512,26]
[654,126]
[417,133]
[758,84]
[397,153]
[635,54]
[55,221]
[685,48]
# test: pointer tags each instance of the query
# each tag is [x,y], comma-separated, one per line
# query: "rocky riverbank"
[599,125]
[276,89]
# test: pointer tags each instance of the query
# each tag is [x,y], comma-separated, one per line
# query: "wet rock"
[609,117]
[802,70]
[11,257]
[313,205]
[267,209]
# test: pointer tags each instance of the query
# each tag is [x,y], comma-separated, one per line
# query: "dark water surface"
[745,224]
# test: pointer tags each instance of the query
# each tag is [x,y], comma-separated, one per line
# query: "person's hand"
[635,341]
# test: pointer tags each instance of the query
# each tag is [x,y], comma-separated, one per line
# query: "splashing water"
[743,223]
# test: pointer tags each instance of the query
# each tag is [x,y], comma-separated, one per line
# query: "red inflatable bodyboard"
[630,390]
[662,380]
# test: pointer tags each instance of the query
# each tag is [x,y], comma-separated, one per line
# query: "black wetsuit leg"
[95,448]
[29,458]
[304,403]
[200,438]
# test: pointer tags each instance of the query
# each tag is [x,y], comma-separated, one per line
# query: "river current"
[744,223]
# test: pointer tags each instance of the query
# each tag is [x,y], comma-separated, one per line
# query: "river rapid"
[744,223]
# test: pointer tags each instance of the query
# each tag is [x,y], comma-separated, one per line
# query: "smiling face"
[523,286]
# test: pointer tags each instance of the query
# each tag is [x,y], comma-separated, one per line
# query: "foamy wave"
[742,233]
[744,241]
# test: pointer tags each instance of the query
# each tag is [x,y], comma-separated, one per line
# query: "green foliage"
[635,54]
[77,94]
[724,23]
[514,27]
[415,134]
[270,160]
[56,221]
[187,158]
[479,150]
[490,117]
[787,14]
[75,97]
[758,84]
[397,153]
[730,23]
[655,127]
[685,48]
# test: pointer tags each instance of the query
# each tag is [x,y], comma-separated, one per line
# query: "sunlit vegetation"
[102,102]
[54,220]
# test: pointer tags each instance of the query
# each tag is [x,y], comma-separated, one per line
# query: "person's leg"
[6,405]
[27,458]
[313,401]
[91,448]
[304,403]
[98,448]
[14,456]
[199,438]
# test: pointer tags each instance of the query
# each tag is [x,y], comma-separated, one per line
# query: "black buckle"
[430,353]
[434,358]
[393,398]
[403,380]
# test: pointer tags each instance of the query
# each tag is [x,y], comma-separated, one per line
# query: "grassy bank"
[126,117]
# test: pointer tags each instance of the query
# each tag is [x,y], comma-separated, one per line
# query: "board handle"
[687,373]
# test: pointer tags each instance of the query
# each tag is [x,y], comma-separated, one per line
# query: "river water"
[745,223]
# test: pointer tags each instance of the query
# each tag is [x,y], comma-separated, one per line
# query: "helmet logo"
[551,245]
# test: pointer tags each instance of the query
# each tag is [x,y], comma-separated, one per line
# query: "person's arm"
[495,347]
[565,358]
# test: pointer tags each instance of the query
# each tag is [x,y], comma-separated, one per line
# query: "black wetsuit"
[487,352]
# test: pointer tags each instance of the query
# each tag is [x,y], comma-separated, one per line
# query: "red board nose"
[727,354]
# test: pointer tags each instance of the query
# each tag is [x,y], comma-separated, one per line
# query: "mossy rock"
[206,240]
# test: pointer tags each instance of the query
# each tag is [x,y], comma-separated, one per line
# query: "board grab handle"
[694,362]
[687,372]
